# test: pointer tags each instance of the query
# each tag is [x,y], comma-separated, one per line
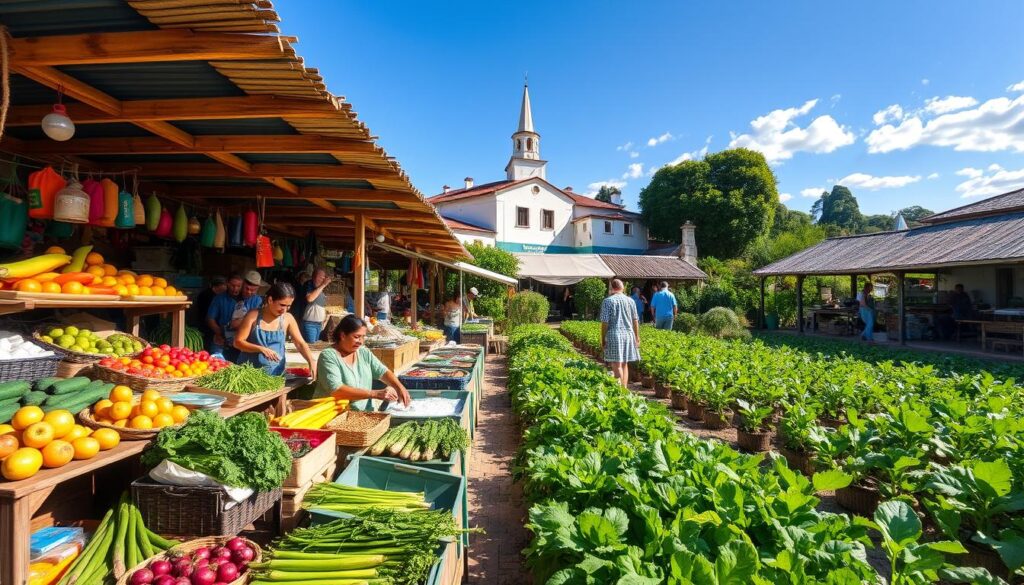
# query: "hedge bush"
[722,323]
[685,323]
[527,308]
[590,292]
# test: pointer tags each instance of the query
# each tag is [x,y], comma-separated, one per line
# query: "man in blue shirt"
[640,302]
[218,317]
[663,303]
[247,301]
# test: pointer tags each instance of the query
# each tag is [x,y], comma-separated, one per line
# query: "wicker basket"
[139,383]
[354,428]
[799,460]
[754,442]
[715,421]
[187,547]
[859,499]
[694,410]
[197,511]
[661,390]
[29,370]
[78,357]
[679,401]
[126,434]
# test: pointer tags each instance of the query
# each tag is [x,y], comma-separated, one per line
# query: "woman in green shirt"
[346,370]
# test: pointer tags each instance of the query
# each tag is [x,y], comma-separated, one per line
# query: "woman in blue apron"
[261,336]
[347,370]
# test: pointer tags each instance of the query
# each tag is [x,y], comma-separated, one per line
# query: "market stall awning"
[207,104]
[634,267]
[460,266]
[562,269]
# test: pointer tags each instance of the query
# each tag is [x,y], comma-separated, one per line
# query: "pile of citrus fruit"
[94,277]
[166,362]
[35,439]
[152,411]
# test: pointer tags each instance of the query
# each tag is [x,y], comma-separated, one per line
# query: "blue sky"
[907,102]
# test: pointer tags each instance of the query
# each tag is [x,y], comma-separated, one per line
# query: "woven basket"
[661,390]
[715,421]
[859,499]
[187,547]
[754,442]
[78,357]
[197,511]
[139,383]
[29,370]
[694,410]
[126,434]
[679,401]
[372,426]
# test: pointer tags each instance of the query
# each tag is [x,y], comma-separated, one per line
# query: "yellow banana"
[33,266]
[78,260]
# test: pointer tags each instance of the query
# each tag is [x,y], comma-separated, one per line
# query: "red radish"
[160,567]
[182,581]
[164,580]
[204,576]
[227,573]
[202,563]
[141,577]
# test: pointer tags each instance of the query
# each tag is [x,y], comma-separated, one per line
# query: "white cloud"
[778,137]
[933,176]
[872,183]
[1019,86]
[893,112]
[835,99]
[950,103]
[655,141]
[980,184]
[811,192]
[692,155]
[625,146]
[635,171]
[925,81]
[634,154]
[992,126]
[593,188]
[784,197]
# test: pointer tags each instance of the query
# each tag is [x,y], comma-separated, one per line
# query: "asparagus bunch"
[435,438]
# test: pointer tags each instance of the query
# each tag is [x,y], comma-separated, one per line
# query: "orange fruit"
[86,447]
[144,280]
[126,278]
[171,291]
[96,271]
[133,289]
[163,420]
[165,405]
[149,408]
[37,435]
[121,393]
[57,453]
[158,291]
[107,438]
[51,287]
[46,276]
[55,250]
[121,290]
[101,407]
[8,444]
[151,395]
[26,416]
[61,420]
[6,429]
[120,411]
[28,285]
[161,282]
[145,291]
[141,422]
[121,423]
[93,259]
[179,413]
[72,288]
[109,270]
[109,281]
[86,291]
[22,464]
[77,432]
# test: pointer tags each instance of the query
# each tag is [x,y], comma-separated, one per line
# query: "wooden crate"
[305,468]
[398,358]
[291,499]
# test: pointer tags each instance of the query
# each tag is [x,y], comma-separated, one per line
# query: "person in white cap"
[249,300]
[469,310]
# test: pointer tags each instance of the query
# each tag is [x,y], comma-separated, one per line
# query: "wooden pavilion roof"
[210,105]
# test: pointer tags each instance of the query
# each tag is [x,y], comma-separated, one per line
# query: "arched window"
[519,144]
[529,144]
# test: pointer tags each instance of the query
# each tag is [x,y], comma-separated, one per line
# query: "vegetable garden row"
[619,495]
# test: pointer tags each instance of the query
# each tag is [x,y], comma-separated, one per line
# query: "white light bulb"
[380,238]
[57,125]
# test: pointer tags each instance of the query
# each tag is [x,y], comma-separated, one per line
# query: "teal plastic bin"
[443,491]
[464,408]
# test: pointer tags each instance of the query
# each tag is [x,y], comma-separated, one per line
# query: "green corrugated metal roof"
[311,158]
[353,184]
[25,18]
[368,204]
[250,126]
[153,81]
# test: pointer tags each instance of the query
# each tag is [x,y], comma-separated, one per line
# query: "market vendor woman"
[263,331]
[346,370]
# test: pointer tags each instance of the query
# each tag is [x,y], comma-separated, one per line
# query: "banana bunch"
[314,417]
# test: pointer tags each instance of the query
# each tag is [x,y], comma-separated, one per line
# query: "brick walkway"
[495,502]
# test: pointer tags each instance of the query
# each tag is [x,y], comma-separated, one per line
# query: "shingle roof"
[667,267]
[456,224]
[982,240]
[591,202]
[606,215]
[1012,201]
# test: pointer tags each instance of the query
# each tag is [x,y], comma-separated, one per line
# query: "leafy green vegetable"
[240,379]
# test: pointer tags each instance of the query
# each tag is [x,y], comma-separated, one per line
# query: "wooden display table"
[133,311]
[398,358]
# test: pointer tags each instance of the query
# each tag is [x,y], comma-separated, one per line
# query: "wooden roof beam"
[215,191]
[149,46]
[239,144]
[291,171]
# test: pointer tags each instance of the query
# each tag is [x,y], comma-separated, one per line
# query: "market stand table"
[133,311]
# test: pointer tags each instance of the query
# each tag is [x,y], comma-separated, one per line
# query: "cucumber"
[7,412]
[45,384]
[70,385]
[33,398]
[14,389]
[90,396]
[9,401]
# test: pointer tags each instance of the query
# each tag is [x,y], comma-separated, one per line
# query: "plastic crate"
[423,383]
[464,410]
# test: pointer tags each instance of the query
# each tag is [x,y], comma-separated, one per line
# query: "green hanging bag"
[13,221]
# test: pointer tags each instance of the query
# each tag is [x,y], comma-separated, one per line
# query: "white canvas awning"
[458,265]
[562,269]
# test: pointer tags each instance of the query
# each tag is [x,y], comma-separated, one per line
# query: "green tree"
[607,192]
[913,214]
[787,220]
[527,307]
[589,294]
[877,223]
[493,297]
[839,209]
[731,196]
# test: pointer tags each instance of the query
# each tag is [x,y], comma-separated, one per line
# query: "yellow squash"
[33,266]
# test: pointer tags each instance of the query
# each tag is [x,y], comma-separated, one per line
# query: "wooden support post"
[415,310]
[900,278]
[760,316]
[359,266]
[433,296]
[853,285]
[800,302]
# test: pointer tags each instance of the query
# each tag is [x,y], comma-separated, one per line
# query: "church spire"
[525,114]
[525,161]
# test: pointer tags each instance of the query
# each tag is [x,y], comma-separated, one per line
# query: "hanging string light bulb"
[57,125]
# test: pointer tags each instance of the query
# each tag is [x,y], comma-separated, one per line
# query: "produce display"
[83,272]
[50,394]
[422,372]
[906,433]
[354,500]
[379,546]
[239,452]
[433,406]
[424,333]
[121,541]
[161,335]
[202,566]
[151,410]
[35,439]
[475,328]
[166,362]
[15,347]
[426,441]
[240,379]
[323,411]
[83,340]
[438,361]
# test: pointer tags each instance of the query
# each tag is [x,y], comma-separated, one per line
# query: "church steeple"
[525,161]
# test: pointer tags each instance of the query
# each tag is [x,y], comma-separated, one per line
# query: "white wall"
[980,281]
[616,239]
[479,211]
[474,237]
[522,195]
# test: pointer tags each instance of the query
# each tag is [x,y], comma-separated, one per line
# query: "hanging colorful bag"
[163,228]
[139,209]
[13,221]
[42,188]
[264,253]
[250,228]
[235,232]
[96,202]
[288,260]
[125,219]
[110,191]
[220,239]
[206,237]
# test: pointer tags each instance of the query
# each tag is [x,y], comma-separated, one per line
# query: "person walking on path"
[453,319]
[620,332]
[664,306]
[640,300]
[867,312]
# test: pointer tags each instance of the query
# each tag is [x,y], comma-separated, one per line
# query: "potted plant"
[753,429]
[661,390]
[851,451]
[696,400]
[679,401]
[716,411]
[798,433]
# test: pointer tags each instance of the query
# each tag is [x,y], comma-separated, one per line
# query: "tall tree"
[839,209]
[787,220]
[730,195]
[607,192]
[913,214]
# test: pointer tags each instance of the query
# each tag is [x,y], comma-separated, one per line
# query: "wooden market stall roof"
[209,105]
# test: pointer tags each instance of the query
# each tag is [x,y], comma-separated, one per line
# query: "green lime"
[71,330]
[47,338]
[84,332]
[77,348]
[66,340]
[56,332]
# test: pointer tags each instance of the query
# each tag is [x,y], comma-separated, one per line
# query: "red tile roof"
[591,202]
[463,226]
[624,215]
[488,188]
